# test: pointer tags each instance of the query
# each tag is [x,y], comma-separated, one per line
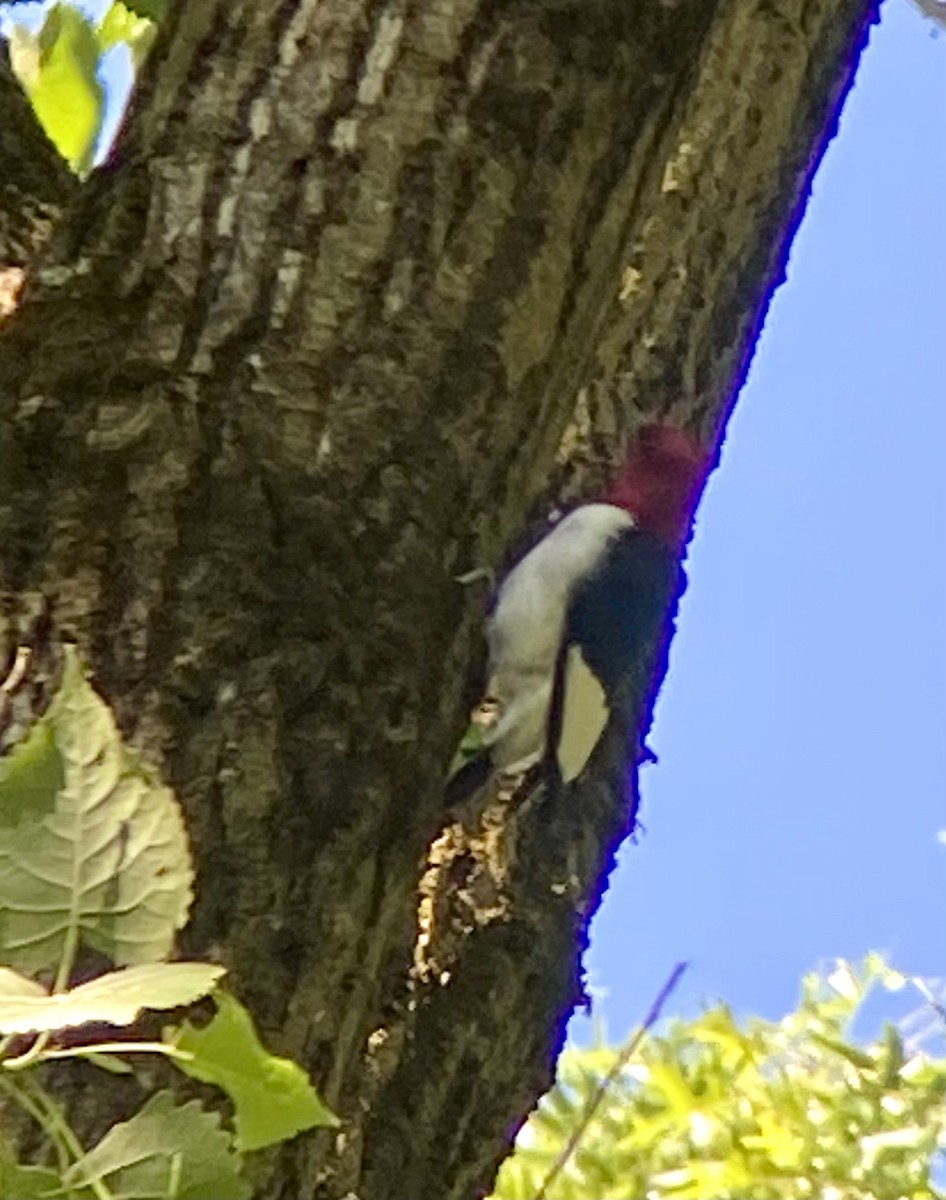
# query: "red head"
[660,481]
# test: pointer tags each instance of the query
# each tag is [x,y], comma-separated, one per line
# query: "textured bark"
[35,183]
[309,345]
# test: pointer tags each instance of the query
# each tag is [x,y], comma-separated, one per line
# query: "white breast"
[527,625]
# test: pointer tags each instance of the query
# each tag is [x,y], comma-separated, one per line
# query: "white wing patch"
[584,715]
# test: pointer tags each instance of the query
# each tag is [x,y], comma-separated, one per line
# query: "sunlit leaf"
[122,25]
[18,1182]
[272,1097]
[57,68]
[752,1110]
[92,846]
[164,1150]
[114,999]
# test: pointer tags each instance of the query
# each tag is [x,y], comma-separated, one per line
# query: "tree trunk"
[355,278]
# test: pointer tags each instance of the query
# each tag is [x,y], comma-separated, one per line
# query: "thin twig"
[927,993]
[95,1048]
[31,1056]
[13,680]
[17,671]
[622,1060]
[934,9]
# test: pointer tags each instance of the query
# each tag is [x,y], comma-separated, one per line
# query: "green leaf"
[122,25]
[115,999]
[164,1150]
[858,1058]
[472,744]
[755,1110]
[30,777]
[892,1056]
[110,1063]
[92,846]
[29,1183]
[875,1144]
[272,1097]
[58,71]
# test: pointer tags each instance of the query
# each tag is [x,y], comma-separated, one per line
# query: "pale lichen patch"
[380,57]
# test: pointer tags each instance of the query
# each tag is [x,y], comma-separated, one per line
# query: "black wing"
[616,618]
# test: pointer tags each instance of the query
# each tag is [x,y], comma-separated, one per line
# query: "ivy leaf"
[115,998]
[92,846]
[272,1097]
[164,1150]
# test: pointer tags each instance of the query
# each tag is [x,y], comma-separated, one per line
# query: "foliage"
[715,1107]
[92,845]
[167,1149]
[59,68]
[93,855]
[272,1097]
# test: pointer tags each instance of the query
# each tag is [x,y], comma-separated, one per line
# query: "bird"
[573,626]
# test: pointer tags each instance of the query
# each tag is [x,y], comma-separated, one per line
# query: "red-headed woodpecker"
[575,622]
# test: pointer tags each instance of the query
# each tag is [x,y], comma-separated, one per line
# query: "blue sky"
[793,816]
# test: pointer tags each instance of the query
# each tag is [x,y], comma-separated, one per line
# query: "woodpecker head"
[660,481]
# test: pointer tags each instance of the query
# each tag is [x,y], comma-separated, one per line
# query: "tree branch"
[934,9]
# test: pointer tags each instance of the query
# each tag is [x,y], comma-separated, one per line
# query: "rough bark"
[35,184]
[307,346]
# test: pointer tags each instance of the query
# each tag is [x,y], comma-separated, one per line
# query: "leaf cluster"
[59,67]
[715,1107]
[94,856]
